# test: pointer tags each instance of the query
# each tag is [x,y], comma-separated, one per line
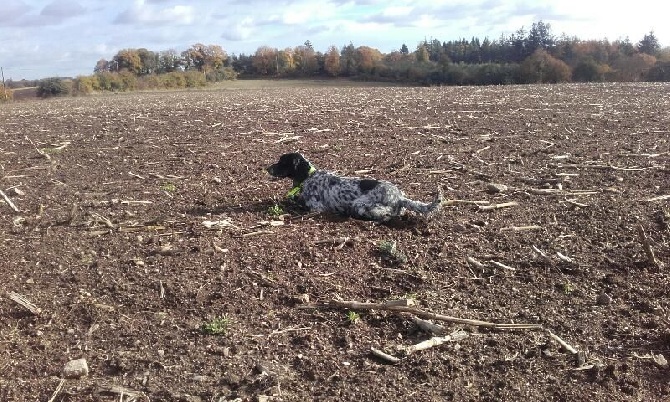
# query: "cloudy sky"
[42,38]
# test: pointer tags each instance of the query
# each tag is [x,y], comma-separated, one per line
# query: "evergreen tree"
[649,44]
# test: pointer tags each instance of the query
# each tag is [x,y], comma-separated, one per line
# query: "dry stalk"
[575,203]
[659,198]
[429,326]
[564,344]
[520,228]
[389,306]
[475,262]
[59,387]
[434,341]
[648,250]
[455,202]
[21,300]
[384,356]
[136,175]
[503,266]
[498,206]
[9,201]
[256,233]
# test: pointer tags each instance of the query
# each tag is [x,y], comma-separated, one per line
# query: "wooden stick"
[562,343]
[354,305]
[429,326]
[498,206]
[384,356]
[434,341]
[9,201]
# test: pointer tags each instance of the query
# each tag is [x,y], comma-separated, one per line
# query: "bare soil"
[142,220]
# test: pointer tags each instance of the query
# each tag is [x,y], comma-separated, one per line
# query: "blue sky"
[42,38]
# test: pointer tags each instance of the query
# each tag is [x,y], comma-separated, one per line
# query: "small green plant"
[49,151]
[169,187]
[353,316]
[568,288]
[389,250]
[276,210]
[217,326]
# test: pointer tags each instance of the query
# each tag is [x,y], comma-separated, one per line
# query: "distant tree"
[625,47]
[53,87]
[404,49]
[516,44]
[265,61]
[541,67]
[242,63]
[148,61]
[348,63]
[101,65]
[649,44]
[422,54]
[588,70]
[305,59]
[128,60]
[367,59]
[539,37]
[632,68]
[286,61]
[660,72]
[204,58]
[332,61]
[168,61]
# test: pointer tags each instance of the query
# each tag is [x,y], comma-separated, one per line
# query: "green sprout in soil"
[568,288]
[276,210]
[353,317]
[217,326]
[169,187]
[49,151]
[389,250]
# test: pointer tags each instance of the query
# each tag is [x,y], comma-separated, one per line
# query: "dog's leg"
[375,212]
[423,207]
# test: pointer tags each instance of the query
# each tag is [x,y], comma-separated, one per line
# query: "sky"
[46,38]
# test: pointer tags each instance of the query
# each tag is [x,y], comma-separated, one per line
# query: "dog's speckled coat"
[322,191]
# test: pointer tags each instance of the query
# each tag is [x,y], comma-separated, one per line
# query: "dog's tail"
[424,207]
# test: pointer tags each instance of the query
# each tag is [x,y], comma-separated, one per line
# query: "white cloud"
[33,32]
[141,13]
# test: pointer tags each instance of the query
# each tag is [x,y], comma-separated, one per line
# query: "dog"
[367,199]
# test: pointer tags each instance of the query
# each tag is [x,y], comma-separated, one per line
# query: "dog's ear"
[296,162]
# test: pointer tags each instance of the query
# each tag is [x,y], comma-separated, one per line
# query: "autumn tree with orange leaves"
[332,61]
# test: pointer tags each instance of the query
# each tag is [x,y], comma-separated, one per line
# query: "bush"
[588,70]
[660,72]
[84,85]
[194,79]
[54,87]
[6,94]
[541,67]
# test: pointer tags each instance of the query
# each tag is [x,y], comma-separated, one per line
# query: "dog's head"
[292,165]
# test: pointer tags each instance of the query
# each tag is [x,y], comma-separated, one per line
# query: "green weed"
[217,326]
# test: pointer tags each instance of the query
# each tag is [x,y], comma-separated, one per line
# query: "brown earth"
[110,241]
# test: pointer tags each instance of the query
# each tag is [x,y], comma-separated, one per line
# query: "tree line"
[526,56]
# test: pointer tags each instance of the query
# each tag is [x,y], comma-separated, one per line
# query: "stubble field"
[146,237]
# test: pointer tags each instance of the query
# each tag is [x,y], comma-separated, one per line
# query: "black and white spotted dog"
[322,191]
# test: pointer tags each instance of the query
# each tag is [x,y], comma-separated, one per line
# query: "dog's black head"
[293,166]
